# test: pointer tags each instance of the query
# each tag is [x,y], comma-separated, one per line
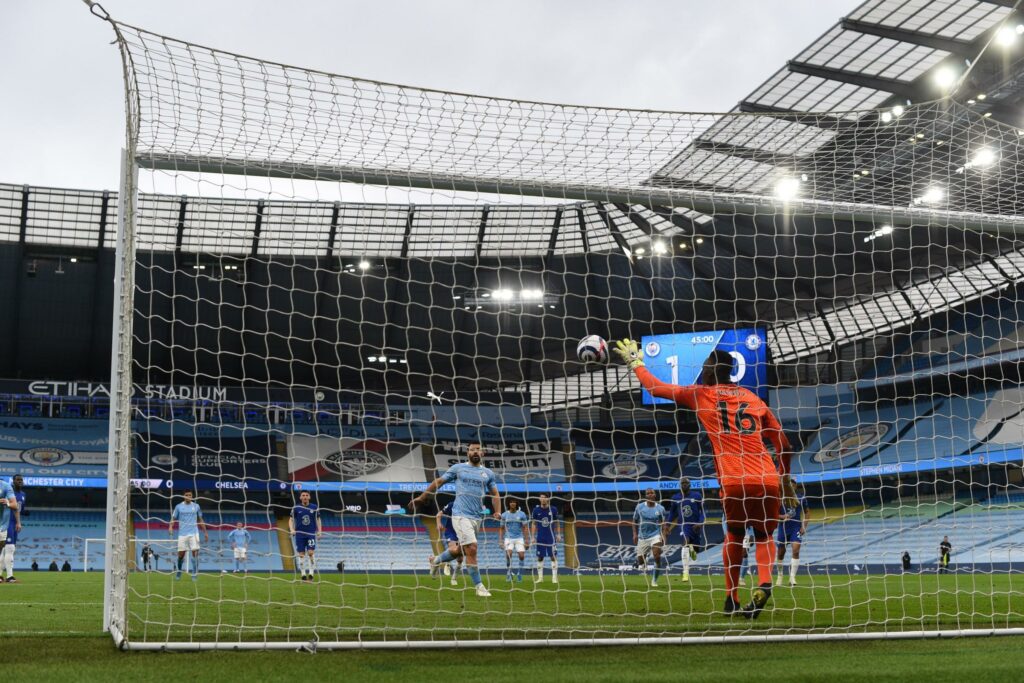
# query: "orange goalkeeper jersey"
[737,421]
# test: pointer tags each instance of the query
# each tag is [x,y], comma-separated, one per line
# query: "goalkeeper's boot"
[762,594]
[731,606]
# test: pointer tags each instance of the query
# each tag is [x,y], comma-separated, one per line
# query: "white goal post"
[346,261]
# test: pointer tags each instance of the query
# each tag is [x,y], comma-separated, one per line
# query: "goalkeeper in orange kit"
[752,483]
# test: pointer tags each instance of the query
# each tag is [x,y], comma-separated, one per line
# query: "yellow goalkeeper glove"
[630,353]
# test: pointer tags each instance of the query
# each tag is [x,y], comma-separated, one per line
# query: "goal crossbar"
[697,200]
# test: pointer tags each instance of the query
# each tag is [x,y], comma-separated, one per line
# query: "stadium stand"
[59,535]
[264,550]
[373,542]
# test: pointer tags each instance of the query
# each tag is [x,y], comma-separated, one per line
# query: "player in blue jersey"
[13,529]
[514,536]
[547,535]
[240,539]
[792,525]
[305,526]
[189,517]
[473,481]
[650,530]
[449,538]
[688,512]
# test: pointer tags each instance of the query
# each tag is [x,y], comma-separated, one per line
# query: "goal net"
[334,286]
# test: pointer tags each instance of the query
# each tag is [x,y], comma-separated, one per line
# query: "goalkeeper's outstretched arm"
[629,351]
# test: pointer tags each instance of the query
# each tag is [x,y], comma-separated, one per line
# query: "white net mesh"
[340,284]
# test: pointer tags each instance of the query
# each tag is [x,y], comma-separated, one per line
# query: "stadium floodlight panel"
[933,195]
[659,247]
[945,77]
[986,156]
[503,294]
[364,265]
[1006,36]
[532,294]
[787,188]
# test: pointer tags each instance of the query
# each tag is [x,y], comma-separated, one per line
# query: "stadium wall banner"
[325,459]
[188,455]
[512,460]
[53,447]
[604,458]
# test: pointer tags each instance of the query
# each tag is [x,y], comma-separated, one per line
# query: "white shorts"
[465,529]
[644,545]
[239,553]
[188,542]
[515,545]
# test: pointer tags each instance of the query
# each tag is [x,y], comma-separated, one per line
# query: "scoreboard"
[679,358]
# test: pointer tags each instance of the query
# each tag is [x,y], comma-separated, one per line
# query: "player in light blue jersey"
[13,529]
[514,537]
[472,482]
[305,525]
[240,539]
[650,529]
[189,518]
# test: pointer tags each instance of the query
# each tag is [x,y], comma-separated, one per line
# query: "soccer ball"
[592,349]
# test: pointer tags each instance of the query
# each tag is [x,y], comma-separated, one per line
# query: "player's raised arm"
[432,488]
[629,351]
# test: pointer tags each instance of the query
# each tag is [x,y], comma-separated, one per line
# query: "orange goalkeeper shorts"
[752,503]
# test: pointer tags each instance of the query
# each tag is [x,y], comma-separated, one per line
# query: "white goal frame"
[118,555]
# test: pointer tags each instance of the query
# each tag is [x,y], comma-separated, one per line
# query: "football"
[592,349]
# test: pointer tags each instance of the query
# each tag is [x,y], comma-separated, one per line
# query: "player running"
[305,525]
[240,539]
[189,517]
[547,534]
[737,422]
[688,513]
[511,536]
[447,532]
[13,529]
[650,530]
[792,527]
[472,482]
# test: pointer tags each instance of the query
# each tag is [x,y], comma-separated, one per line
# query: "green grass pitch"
[51,629]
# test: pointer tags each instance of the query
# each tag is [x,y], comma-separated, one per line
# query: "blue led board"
[679,358]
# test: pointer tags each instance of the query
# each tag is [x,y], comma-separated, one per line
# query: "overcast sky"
[62,119]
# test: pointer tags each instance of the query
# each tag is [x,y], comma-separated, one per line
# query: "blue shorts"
[451,536]
[304,542]
[789,533]
[692,535]
[12,536]
[546,550]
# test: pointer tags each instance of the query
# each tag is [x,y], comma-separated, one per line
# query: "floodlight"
[787,189]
